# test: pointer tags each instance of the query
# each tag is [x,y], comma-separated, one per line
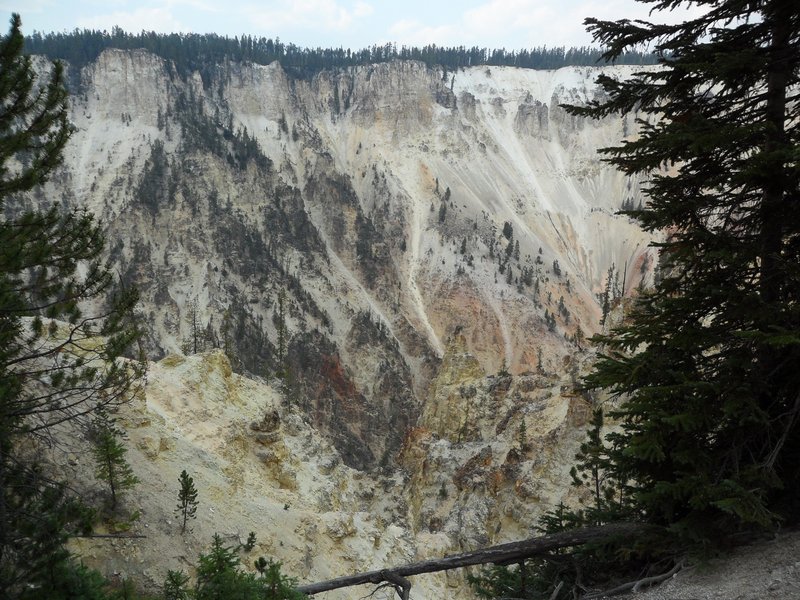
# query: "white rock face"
[258,466]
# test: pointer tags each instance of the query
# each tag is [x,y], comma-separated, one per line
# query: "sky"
[510,24]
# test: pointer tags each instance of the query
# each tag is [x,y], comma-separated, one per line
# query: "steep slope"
[339,230]
[260,466]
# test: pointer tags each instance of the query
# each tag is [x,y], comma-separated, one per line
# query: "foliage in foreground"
[570,572]
[706,365]
[220,577]
[58,363]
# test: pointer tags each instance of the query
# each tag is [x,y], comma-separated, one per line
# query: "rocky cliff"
[468,478]
[406,261]
[339,230]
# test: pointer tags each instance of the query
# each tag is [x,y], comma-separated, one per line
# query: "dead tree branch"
[113,536]
[504,553]
[637,585]
[554,595]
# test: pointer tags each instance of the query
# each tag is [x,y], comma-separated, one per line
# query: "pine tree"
[216,572]
[175,586]
[227,342]
[706,365]
[275,584]
[194,327]
[111,467]
[606,297]
[594,469]
[592,460]
[443,211]
[51,371]
[187,499]
[220,577]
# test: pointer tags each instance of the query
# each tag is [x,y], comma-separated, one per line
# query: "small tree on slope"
[707,364]
[109,454]
[187,499]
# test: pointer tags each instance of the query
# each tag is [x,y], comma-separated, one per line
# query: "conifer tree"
[187,499]
[58,363]
[175,586]
[706,365]
[218,575]
[111,467]
[593,469]
[280,318]
[592,460]
[606,297]
[194,327]
[221,577]
[225,334]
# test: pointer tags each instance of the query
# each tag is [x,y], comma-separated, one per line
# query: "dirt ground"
[766,569]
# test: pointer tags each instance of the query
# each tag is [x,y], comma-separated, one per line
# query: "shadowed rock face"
[339,230]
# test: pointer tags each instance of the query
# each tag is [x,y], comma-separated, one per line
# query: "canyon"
[367,293]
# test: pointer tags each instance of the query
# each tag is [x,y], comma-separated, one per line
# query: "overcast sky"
[510,24]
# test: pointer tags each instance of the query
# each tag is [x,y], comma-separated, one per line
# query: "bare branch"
[637,585]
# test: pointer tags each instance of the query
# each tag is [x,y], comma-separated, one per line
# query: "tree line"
[193,51]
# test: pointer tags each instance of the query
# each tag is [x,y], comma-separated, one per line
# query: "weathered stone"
[267,438]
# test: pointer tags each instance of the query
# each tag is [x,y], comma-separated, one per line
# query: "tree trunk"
[775,207]
[112,484]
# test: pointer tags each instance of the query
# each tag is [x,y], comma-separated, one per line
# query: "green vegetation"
[157,187]
[611,293]
[58,364]
[220,577]
[565,573]
[176,586]
[201,52]
[250,543]
[203,132]
[109,456]
[703,369]
[187,499]
[709,442]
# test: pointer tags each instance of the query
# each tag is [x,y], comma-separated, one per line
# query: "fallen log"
[113,536]
[503,553]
